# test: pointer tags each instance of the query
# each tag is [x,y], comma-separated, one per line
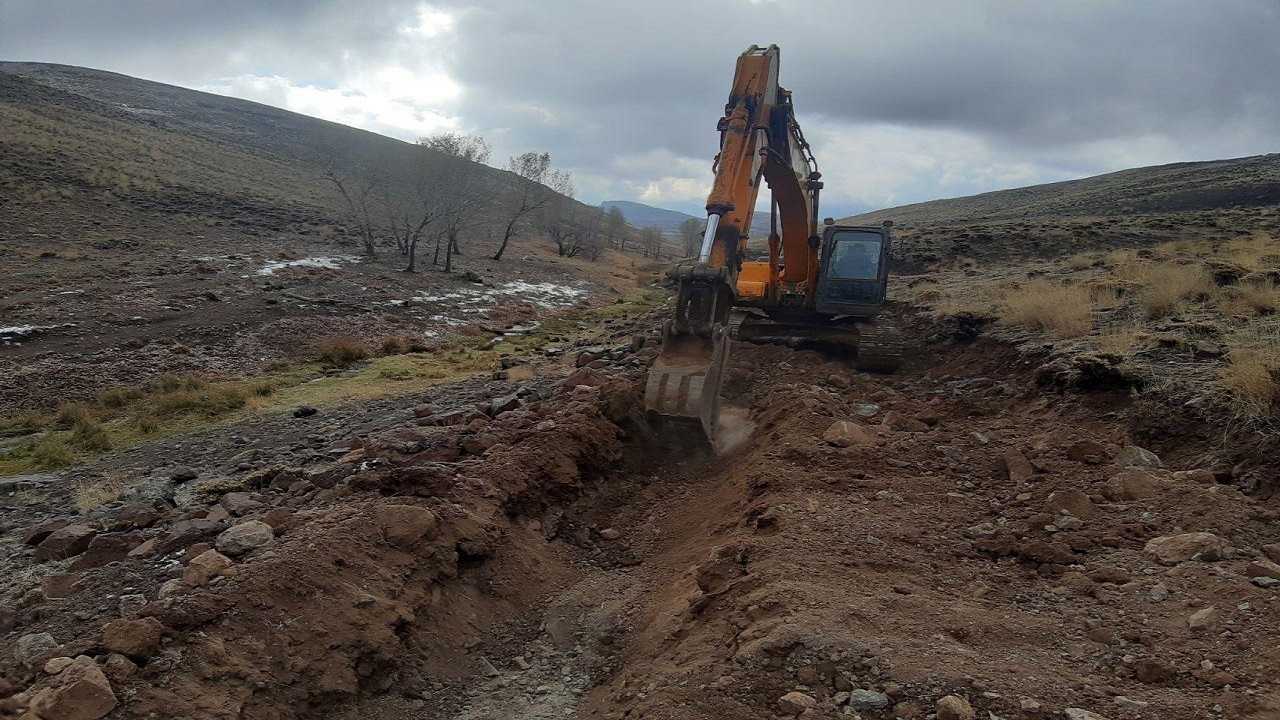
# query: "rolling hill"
[1192,200]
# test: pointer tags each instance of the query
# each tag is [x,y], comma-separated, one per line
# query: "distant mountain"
[642,216]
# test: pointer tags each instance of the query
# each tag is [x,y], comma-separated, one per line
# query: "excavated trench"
[874,545]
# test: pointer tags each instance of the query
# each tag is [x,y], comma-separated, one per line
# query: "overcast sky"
[902,100]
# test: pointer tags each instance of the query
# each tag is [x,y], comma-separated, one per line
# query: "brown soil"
[575,570]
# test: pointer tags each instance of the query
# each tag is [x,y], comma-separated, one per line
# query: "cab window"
[855,256]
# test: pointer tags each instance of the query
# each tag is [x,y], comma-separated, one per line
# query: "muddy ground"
[100,314]
[953,540]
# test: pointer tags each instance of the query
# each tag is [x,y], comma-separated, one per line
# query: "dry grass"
[1169,288]
[520,373]
[1261,297]
[1251,379]
[90,494]
[1061,311]
[211,401]
[341,351]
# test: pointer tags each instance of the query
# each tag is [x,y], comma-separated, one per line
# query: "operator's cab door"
[855,270]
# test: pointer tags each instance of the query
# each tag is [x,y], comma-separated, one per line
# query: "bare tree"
[691,236]
[359,187]
[472,148]
[615,228]
[538,186]
[463,201]
[651,242]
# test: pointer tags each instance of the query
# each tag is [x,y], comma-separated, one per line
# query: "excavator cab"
[855,270]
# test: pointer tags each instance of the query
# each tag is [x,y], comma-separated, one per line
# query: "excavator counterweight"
[824,283]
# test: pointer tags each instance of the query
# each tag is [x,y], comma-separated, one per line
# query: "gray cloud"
[904,100]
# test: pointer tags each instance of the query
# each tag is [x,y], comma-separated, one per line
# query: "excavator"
[821,284]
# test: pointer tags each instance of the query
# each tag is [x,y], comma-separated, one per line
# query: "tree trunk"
[449,251]
[506,238]
[413,255]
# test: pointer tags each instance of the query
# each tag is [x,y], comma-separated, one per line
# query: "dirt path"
[965,534]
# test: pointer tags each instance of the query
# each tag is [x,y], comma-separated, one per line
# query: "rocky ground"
[954,541]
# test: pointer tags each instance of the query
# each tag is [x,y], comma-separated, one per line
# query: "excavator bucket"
[682,397]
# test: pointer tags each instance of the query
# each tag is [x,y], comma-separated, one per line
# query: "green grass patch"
[170,404]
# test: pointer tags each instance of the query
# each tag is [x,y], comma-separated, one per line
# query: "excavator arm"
[759,140]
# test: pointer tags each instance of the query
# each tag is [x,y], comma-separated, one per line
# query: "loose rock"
[1131,484]
[795,702]
[245,537]
[80,692]
[34,649]
[204,567]
[65,542]
[404,525]
[1173,549]
[1079,714]
[954,707]
[867,700]
[135,639]
[844,433]
[1263,568]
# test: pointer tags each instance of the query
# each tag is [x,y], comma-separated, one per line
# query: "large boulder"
[1173,549]
[135,639]
[65,542]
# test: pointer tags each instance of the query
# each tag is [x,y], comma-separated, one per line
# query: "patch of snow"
[329,263]
[13,334]
[543,294]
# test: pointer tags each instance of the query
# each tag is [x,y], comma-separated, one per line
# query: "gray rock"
[1079,714]
[34,649]
[242,538]
[867,700]
[1136,456]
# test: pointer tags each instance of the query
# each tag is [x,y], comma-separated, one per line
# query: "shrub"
[1061,311]
[341,351]
[24,424]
